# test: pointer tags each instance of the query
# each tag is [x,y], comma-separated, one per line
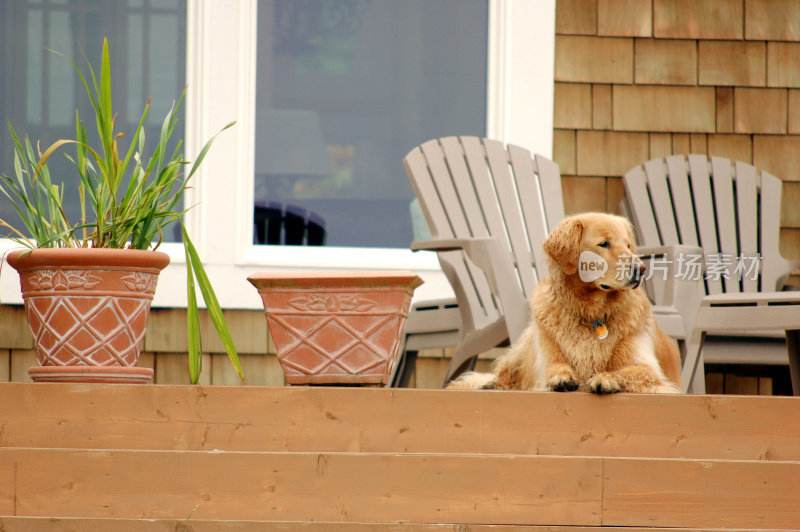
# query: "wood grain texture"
[338,487]
[223,458]
[397,421]
[694,493]
[417,488]
[14,331]
[46,524]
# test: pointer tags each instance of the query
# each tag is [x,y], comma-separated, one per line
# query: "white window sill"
[230,280]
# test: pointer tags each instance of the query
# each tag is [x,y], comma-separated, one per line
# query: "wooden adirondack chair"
[488,207]
[731,210]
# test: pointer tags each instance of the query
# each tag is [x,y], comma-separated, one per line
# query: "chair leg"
[682,348]
[407,364]
[793,347]
[698,384]
[454,372]
[692,380]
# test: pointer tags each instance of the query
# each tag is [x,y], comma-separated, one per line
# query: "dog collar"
[600,328]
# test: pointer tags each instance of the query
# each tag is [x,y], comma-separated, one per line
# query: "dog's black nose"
[638,271]
[637,274]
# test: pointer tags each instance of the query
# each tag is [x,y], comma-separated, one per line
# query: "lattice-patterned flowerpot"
[337,327]
[87,310]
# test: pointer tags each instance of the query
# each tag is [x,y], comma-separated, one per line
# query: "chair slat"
[531,189]
[461,178]
[682,200]
[475,155]
[725,212]
[553,205]
[521,199]
[773,265]
[552,194]
[424,187]
[661,201]
[514,224]
[747,213]
[524,169]
[636,187]
[445,191]
[704,210]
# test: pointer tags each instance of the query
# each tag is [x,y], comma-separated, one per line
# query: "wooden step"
[115,456]
[381,487]
[399,420]
[45,524]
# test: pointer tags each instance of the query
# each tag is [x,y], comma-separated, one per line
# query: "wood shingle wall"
[638,79]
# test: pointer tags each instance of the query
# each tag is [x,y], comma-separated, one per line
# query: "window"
[222,78]
[40,90]
[345,89]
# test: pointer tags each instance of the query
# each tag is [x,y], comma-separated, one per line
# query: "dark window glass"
[345,89]
[39,89]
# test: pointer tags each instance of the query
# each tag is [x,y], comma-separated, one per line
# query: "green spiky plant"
[124,216]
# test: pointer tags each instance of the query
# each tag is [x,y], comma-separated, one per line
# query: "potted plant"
[79,276]
[343,327]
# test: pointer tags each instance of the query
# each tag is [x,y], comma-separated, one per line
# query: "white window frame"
[221,76]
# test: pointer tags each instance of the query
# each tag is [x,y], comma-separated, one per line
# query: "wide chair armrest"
[680,271]
[750,311]
[452,244]
[483,251]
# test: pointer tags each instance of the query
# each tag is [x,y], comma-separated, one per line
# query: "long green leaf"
[205,149]
[212,304]
[48,152]
[193,321]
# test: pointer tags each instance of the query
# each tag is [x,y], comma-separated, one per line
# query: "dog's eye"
[603,244]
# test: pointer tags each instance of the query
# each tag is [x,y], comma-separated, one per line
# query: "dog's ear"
[563,245]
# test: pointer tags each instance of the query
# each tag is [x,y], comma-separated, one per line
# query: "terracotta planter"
[87,310]
[337,327]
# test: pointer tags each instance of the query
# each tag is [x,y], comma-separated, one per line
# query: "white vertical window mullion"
[221,86]
[521,73]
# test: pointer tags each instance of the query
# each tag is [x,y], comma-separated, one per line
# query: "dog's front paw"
[603,383]
[563,382]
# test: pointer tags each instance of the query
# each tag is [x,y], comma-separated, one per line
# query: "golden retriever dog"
[592,326]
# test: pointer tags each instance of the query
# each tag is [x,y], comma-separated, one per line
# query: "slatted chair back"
[728,208]
[477,189]
[732,211]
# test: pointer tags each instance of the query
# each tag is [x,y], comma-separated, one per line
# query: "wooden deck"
[98,457]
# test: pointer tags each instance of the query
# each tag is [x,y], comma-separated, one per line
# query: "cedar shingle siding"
[637,79]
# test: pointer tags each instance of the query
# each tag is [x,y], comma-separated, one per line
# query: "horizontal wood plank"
[47,524]
[336,487]
[695,493]
[377,420]
[376,459]
[416,488]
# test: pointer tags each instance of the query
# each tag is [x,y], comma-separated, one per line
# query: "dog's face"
[599,248]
